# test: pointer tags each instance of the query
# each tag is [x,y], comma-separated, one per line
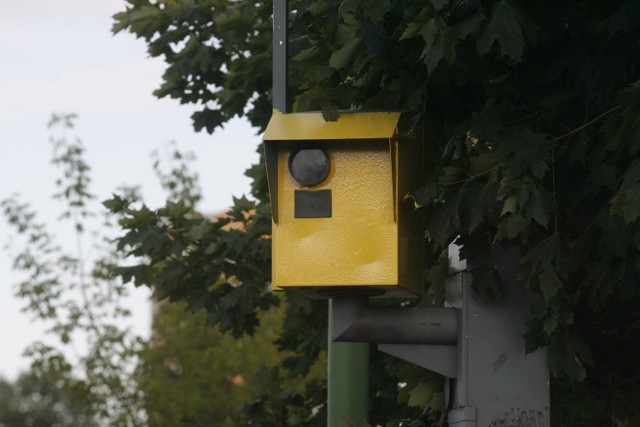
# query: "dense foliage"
[529,111]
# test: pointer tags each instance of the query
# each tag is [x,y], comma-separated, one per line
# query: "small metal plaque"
[312,204]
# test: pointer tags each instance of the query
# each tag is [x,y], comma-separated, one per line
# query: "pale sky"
[60,56]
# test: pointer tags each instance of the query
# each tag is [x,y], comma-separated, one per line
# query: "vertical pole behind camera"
[280,56]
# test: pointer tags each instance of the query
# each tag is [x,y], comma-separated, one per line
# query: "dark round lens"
[309,166]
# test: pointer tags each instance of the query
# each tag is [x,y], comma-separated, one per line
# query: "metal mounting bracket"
[424,336]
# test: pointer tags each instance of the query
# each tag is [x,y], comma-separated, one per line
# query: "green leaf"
[551,322]
[309,55]
[439,43]
[482,207]
[450,175]
[115,204]
[442,224]
[329,112]
[480,164]
[412,30]
[423,196]
[439,4]
[506,27]
[524,151]
[349,7]
[541,208]
[200,230]
[344,56]
[516,224]
[207,119]
[242,205]
[548,251]
[510,205]
[141,19]
[423,393]
[625,18]
[320,7]
[569,356]
[630,204]
[470,26]
[487,283]
[627,199]
[604,175]
[550,283]
[631,175]
[377,9]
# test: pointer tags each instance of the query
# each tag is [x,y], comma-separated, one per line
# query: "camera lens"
[309,166]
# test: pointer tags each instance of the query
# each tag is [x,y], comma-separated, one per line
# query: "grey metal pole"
[280,55]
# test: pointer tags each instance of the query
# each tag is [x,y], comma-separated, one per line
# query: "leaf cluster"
[218,55]
[209,263]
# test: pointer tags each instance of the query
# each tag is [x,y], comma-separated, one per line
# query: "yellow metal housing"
[371,239]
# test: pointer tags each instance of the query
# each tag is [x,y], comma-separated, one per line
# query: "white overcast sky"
[60,56]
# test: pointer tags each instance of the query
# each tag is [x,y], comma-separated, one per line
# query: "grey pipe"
[354,321]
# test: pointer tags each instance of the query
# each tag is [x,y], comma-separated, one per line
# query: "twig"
[617,385]
[472,177]
[553,186]
[587,124]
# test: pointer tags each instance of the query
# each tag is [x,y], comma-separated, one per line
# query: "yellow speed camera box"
[339,220]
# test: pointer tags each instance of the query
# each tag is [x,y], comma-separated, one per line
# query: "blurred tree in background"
[192,373]
[87,364]
[42,402]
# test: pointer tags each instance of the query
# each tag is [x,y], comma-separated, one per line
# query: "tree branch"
[587,124]
[617,385]
[472,177]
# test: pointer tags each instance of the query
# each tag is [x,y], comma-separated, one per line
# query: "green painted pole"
[348,383]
